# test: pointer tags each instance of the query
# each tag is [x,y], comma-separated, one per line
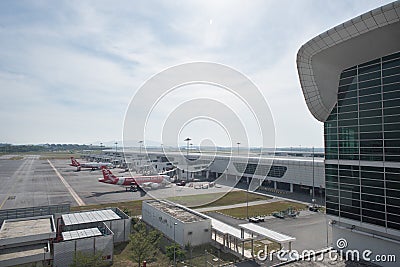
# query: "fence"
[33,211]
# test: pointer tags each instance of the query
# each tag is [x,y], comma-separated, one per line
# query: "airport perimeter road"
[30,182]
[310,230]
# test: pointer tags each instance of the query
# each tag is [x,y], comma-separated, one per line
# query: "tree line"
[10,148]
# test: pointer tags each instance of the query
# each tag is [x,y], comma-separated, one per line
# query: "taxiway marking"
[78,200]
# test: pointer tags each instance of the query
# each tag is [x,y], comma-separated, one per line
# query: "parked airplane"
[89,165]
[150,181]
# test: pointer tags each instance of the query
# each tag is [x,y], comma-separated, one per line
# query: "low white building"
[54,239]
[26,240]
[115,219]
[177,223]
[88,239]
[93,231]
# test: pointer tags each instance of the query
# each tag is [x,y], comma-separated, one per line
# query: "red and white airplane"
[151,181]
[89,165]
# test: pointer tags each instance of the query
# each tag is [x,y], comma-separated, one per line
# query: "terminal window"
[363,128]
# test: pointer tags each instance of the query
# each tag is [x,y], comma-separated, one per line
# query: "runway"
[33,182]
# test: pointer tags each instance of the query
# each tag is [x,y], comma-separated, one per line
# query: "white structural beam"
[267,233]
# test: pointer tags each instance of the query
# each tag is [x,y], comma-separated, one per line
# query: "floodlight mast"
[187,140]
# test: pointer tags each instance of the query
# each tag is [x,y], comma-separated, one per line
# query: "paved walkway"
[252,203]
[291,196]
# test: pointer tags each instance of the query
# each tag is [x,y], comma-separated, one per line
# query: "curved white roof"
[321,60]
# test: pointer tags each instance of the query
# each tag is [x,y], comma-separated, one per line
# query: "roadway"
[309,228]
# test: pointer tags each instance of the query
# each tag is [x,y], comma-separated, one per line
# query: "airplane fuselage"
[140,180]
[89,165]
[96,165]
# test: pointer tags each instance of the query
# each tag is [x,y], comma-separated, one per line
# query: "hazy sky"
[68,69]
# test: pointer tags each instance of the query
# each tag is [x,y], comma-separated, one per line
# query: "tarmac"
[36,182]
[30,182]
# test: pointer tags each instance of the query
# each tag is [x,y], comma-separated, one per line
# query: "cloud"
[68,69]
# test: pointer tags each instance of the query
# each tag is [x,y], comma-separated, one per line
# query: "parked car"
[314,208]
[278,215]
[181,183]
[254,220]
[260,218]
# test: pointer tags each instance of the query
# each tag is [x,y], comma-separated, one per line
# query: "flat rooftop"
[255,157]
[177,212]
[228,229]
[90,217]
[22,228]
[9,254]
[269,234]
[83,233]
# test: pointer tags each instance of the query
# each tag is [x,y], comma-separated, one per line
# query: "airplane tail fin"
[74,162]
[107,174]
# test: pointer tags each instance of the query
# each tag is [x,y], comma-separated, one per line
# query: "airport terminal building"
[282,172]
[350,77]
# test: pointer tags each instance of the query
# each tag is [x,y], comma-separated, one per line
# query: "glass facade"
[251,168]
[361,132]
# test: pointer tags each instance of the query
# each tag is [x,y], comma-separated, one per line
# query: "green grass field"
[217,199]
[134,208]
[263,209]
[44,155]
[16,158]
[57,155]
[122,257]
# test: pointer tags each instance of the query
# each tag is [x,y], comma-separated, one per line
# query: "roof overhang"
[267,233]
[321,60]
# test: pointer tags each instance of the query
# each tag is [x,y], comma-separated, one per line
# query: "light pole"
[44,255]
[238,144]
[116,149]
[313,176]
[247,201]
[187,158]
[140,153]
[174,246]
